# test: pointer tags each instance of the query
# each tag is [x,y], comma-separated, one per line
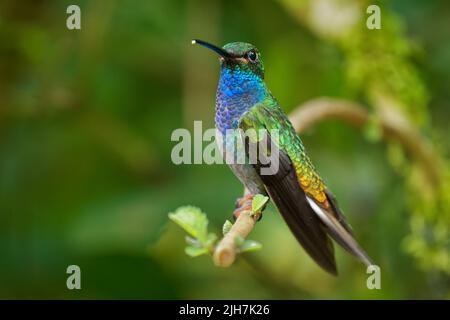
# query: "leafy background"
[86,118]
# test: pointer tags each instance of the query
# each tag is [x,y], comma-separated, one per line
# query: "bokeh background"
[86,117]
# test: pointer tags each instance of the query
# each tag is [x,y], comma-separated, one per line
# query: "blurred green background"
[86,118]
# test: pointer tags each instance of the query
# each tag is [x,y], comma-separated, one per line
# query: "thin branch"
[393,125]
[226,250]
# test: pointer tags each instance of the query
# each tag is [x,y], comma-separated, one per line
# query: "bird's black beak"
[218,50]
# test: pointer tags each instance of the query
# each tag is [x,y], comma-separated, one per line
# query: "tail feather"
[338,231]
[285,191]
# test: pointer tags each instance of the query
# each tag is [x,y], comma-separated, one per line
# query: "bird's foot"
[244,204]
[240,202]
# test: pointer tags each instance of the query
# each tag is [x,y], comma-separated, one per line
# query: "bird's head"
[238,55]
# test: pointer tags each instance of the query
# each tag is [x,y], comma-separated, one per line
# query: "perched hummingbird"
[310,210]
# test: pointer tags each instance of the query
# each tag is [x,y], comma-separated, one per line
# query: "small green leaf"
[210,241]
[239,241]
[250,245]
[226,227]
[193,221]
[259,202]
[193,242]
[195,251]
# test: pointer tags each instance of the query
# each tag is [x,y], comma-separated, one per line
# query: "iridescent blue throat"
[237,92]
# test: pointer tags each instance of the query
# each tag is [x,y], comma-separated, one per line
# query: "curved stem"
[393,124]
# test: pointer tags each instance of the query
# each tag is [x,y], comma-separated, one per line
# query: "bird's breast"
[237,92]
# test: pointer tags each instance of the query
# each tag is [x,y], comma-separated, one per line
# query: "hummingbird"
[310,210]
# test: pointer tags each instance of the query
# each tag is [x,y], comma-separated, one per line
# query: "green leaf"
[239,241]
[193,221]
[250,245]
[259,202]
[193,242]
[210,241]
[226,227]
[195,251]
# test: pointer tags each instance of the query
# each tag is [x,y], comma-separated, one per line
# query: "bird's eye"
[252,55]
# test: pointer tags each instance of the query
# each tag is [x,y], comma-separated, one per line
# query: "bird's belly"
[234,155]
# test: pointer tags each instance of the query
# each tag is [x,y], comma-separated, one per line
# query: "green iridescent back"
[269,115]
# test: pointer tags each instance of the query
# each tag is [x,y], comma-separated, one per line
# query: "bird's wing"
[284,189]
[308,208]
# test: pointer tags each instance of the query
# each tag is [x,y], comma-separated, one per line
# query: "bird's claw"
[244,204]
[241,201]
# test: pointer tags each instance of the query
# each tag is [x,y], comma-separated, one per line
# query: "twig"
[226,250]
